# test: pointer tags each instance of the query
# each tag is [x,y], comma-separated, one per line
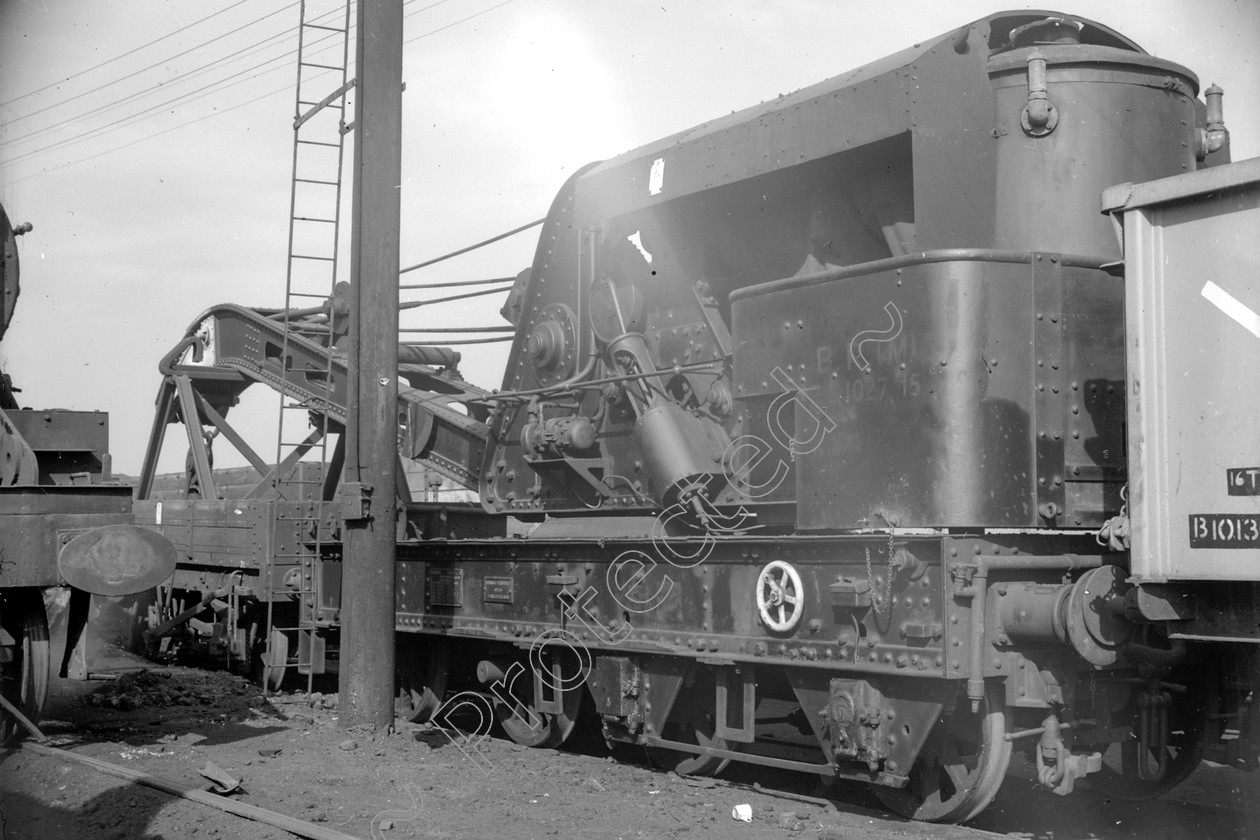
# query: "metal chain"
[880,604]
[870,583]
[888,580]
[1114,533]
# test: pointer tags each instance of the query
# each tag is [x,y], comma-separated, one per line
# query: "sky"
[149,142]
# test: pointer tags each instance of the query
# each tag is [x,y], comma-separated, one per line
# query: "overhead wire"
[189,74]
[285,89]
[181,99]
[458,22]
[145,138]
[122,55]
[191,96]
[154,65]
[183,78]
[219,86]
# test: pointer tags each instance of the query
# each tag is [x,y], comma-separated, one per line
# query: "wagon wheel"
[136,609]
[165,605]
[23,665]
[961,766]
[416,701]
[273,661]
[565,672]
[697,728]
[1126,763]
[693,721]
[531,728]
[422,682]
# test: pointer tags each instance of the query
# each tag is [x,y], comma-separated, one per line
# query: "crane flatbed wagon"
[824,432]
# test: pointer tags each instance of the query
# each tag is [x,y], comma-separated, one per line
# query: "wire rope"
[481,244]
[415,304]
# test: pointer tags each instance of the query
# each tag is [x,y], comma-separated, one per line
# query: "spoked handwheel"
[961,766]
[1133,771]
[24,664]
[693,721]
[422,679]
[779,597]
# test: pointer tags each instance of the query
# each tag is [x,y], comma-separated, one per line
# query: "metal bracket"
[324,103]
[1039,116]
[963,573]
[713,319]
[312,652]
[356,501]
[727,680]
[548,696]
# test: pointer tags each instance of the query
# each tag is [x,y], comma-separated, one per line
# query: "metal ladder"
[319,130]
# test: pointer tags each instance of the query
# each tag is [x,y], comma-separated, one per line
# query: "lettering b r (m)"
[818,424]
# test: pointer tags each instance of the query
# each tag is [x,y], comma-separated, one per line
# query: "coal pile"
[161,689]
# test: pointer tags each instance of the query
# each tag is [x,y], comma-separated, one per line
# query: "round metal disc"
[1097,633]
[117,560]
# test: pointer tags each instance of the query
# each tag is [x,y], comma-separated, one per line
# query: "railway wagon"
[844,434]
[64,521]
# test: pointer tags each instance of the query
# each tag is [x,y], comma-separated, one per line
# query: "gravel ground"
[292,756]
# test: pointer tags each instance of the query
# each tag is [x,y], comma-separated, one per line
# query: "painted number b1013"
[1224,530]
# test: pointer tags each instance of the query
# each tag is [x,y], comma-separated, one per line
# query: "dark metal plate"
[1224,530]
[1243,481]
[445,588]
[498,590]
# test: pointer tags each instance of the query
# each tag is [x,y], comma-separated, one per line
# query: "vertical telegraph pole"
[368,499]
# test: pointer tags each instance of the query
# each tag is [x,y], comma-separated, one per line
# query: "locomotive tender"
[848,438]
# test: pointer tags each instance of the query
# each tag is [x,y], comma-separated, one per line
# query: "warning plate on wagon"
[1224,530]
